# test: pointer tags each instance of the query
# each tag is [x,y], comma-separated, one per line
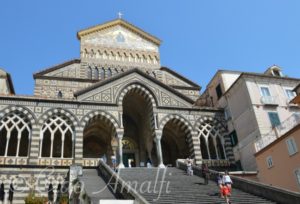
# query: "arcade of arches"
[138,137]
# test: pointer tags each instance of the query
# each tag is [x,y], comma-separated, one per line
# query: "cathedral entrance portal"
[138,125]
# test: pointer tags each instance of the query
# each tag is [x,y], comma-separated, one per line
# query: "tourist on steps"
[220,184]
[189,169]
[226,193]
[205,173]
[227,181]
[149,163]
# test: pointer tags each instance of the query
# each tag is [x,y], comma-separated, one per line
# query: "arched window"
[15,131]
[89,73]
[96,73]
[59,94]
[102,73]
[109,72]
[211,136]
[57,137]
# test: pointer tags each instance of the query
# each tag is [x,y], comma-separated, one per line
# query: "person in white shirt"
[227,181]
[189,167]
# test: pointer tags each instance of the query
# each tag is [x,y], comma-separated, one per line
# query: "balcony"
[277,132]
[269,100]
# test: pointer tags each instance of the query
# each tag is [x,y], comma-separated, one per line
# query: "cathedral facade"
[115,101]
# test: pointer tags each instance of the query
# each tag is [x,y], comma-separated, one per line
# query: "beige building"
[278,160]
[253,104]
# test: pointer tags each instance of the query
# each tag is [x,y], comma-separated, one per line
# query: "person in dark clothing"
[2,193]
[11,193]
[58,193]
[50,193]
[205,173]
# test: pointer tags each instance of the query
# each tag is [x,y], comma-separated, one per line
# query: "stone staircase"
[177,187]
[95,186]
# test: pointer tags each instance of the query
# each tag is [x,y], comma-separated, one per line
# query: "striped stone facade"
[108,84]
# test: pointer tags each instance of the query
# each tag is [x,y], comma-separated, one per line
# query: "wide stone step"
[182,188]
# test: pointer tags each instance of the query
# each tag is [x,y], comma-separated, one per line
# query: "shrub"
[64,199]
[32,199]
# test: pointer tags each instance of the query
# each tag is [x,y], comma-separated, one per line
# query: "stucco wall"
[282,173]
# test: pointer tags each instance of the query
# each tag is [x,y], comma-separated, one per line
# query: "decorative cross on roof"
[120,15]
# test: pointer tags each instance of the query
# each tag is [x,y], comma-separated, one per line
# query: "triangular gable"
[108,91]
[69,69]
[180,80]
[120,22]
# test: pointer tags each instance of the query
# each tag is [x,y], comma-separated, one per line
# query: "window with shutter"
[274,119]
[292,146]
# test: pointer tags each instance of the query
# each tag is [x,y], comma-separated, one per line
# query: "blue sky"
[199,37]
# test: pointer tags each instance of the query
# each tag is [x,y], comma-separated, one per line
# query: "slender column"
[41,146]
[207,147]
[7,142]
[157,140]
[18,144]
[216,149]
[62,146]
[120,148]
[51,149]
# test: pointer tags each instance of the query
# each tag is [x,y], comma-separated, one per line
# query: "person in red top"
[226,193]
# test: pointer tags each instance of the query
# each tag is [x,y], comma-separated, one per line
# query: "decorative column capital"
[120,133]
[158,135]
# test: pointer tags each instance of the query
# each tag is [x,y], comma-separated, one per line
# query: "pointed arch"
[58,111]
[177,117]
[139,88]
[55,132]
[15,129]
[211,132]
[102,73]
[89,72]
[100,115]
[19,109]
[109,72]
[96,73]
